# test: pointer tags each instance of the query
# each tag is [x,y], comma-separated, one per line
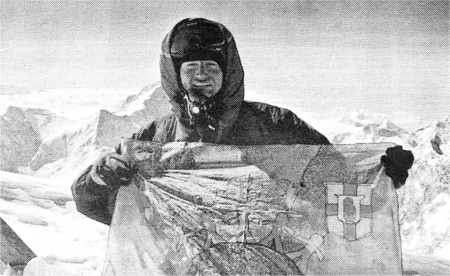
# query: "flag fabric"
[205,209]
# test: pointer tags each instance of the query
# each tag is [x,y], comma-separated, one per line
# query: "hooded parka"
[240,123]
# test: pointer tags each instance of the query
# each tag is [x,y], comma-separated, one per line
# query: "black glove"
[397,162]
[114,169]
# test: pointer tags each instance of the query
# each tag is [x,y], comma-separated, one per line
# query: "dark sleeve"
[98,201]
[93,200]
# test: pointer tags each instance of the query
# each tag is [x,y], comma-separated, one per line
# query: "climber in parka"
[201,72]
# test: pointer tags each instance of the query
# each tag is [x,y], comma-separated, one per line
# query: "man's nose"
[202,73]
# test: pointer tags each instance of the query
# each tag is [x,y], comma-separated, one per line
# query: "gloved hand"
[397,162]
[114,170]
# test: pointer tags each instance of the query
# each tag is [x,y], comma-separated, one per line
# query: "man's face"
[201,78]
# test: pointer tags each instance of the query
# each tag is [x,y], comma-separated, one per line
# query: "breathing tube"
[205,113]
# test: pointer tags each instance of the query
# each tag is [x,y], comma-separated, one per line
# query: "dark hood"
[232,93]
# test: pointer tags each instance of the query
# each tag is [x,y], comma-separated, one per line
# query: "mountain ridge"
[60,149]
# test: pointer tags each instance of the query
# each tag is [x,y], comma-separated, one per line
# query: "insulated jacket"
[242,123]
[258,124]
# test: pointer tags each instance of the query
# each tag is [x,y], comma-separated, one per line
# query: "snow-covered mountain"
[150,100]
[364,127]
[39,143]
[22,131]
[65,153]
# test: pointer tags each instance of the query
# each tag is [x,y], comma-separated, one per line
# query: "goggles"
[194,35]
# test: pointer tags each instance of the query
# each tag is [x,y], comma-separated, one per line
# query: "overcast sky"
[316,54]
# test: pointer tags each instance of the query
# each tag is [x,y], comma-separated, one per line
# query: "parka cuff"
[96,186]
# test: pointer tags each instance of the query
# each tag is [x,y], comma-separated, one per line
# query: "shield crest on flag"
[349,209]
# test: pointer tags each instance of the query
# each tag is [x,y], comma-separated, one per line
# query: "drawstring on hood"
[219,113]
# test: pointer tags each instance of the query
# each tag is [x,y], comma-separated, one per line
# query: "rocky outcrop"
[49,151]
[434,137]
[19,141]
[436,144]
[22,130]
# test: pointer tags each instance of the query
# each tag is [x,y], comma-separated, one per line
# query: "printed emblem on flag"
[349,209]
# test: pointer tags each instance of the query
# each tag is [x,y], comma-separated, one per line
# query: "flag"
[201,209]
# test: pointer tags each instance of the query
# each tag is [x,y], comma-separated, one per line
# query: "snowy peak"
[136,101]
[69,152]
[368,121]
[22,130]
[19,141]
[151,100]
[72,150]
[149,104]
[389,127]
[361,118]
[364,127]
[52,146]
[41,120]
[110,128]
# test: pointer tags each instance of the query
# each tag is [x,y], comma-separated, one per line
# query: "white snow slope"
[54,151]
[43,214]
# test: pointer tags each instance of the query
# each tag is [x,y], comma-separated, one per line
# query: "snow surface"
[43,214]
[51,151]
[13,90]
